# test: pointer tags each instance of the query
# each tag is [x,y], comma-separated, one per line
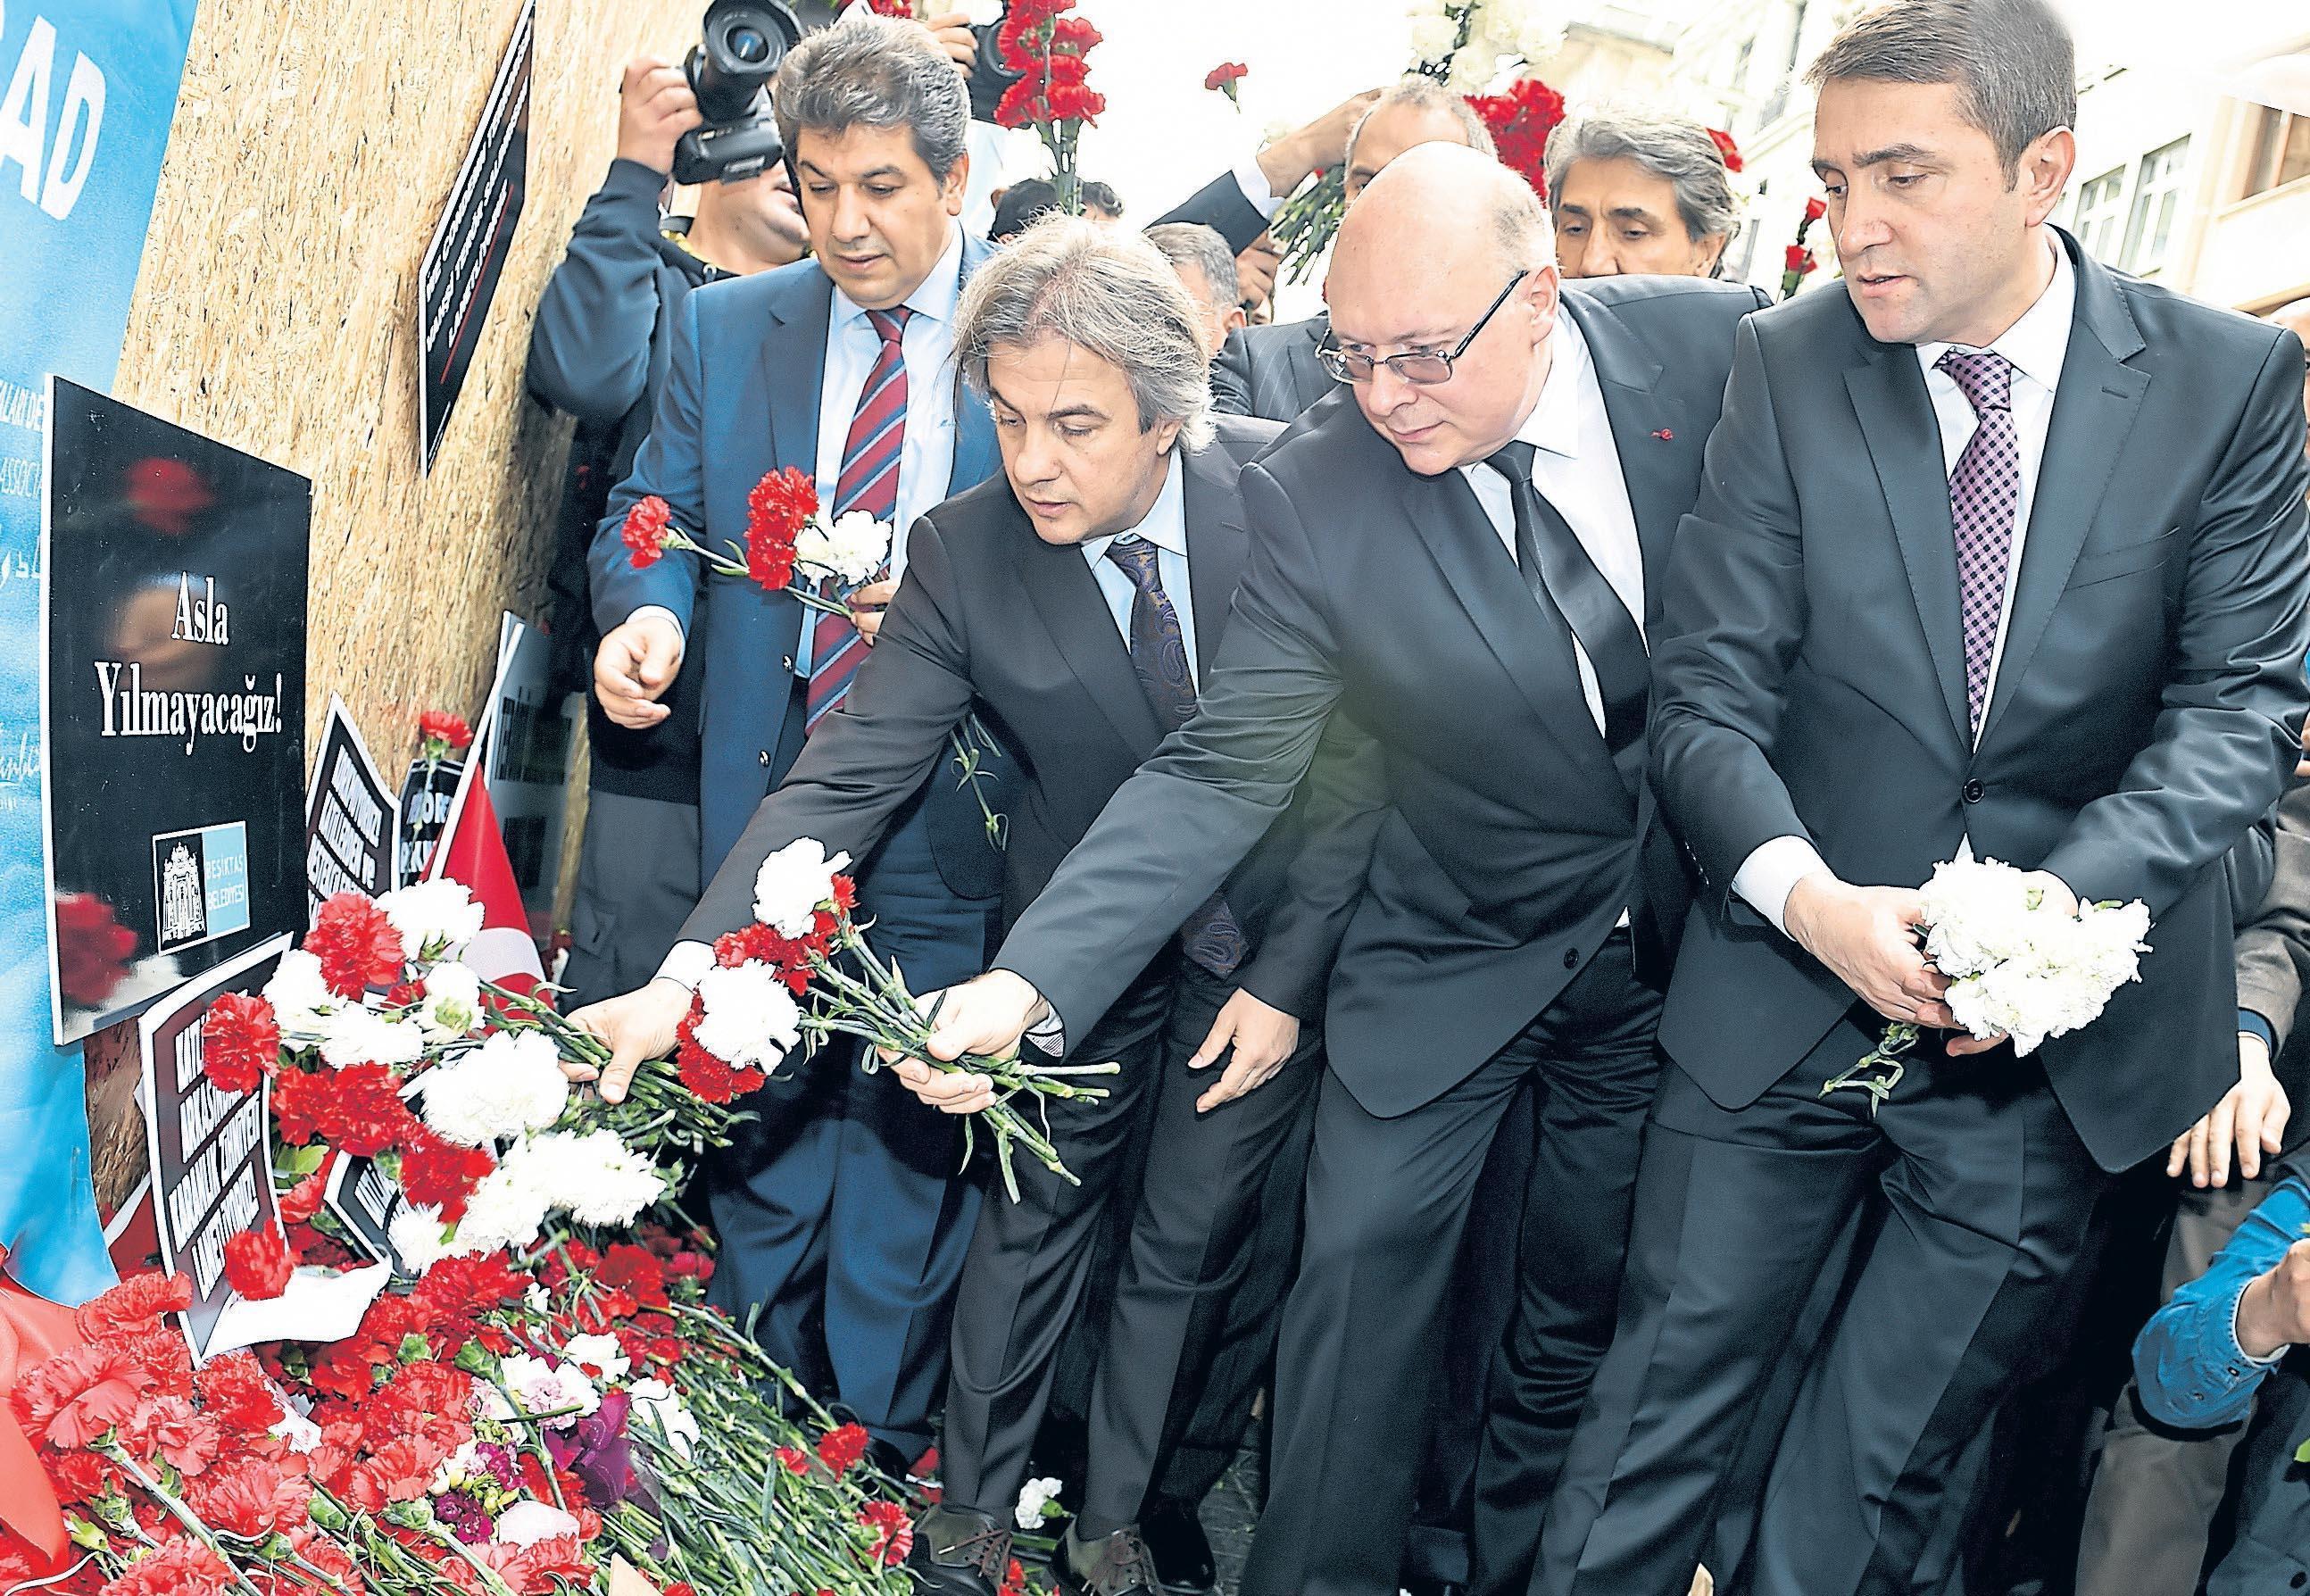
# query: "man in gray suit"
[1458,550]
[1273,371]
[1997,552]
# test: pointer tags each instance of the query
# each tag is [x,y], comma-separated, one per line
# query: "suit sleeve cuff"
[2252,1024]
[1767,876]
[685,963]
[672,619]
[1254,184]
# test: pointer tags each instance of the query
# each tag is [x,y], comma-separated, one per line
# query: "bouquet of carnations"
[1048,49]
[2017,966]
[1464,44]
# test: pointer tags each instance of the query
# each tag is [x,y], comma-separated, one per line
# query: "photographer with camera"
[598,352]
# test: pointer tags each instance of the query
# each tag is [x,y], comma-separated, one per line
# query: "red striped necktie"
[869,483]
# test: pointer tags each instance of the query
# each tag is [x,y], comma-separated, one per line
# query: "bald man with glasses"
[1458,548]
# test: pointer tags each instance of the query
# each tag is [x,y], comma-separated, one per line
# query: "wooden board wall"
[276,311]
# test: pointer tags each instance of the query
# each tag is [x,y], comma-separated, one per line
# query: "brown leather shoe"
[1115,1565]
[959,1552]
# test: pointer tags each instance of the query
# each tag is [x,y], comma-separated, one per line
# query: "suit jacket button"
[1971,791]
[788,664]
[764,756]
[1572,958]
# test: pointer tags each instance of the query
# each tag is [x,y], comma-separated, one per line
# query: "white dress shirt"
[1576,467]
[1165,527]
[2035,346]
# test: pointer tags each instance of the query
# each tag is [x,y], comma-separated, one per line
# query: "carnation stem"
[1880,1070]
[175,1509]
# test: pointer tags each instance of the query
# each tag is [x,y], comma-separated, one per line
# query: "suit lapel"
[1482,575]
[2094,411]
[1068,597]
[975,456]
[1904,439]
[793,360]
[1217,546]
[1648,433]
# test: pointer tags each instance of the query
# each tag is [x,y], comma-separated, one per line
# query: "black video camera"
[730,71]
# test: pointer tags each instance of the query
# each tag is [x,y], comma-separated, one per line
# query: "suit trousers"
[1989,1199]
[1189,1245]
[842,1218]
[1366,1324]
[637,883]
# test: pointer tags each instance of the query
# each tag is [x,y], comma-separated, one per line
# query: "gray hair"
[2011,60]
[875,72]
[1192,244]
[1676,149]
[1105,292]
[1426,94]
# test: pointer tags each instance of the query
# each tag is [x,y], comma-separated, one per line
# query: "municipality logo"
[200,885]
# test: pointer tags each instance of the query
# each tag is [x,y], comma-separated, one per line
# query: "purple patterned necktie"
[1985,496]
[1159,654]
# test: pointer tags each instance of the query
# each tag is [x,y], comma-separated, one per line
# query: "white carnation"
[657,1401]
[598,1353]
[595,1177]
[793,883]
[300,997]
[1035,1499]
[511,1083]
[435,918]
[854,548]
[504,1210]
[1433,36]
[359,1035]
[2020,967]
[526,1523]
[453,1002]
[749,1019]
[538,1386]
[416,1234]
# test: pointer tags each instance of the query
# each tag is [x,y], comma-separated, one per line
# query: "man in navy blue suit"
[839,1200]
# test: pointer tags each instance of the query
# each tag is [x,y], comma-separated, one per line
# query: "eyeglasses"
[1419,366]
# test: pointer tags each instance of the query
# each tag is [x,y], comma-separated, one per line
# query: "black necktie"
[1564,580]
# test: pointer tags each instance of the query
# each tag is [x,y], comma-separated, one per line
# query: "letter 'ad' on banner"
[175,704]
[91,91]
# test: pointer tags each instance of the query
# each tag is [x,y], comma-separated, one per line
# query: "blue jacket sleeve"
[671,465]
[589,348]
[2188,1366]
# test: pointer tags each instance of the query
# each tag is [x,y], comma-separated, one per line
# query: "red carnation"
[303,1200]
[1223,78]
[240,1041]
[166,494]
[356,944]
[178,1567]
[894,1532]
[92,948]
[644,531]
[1520,121]
[1726,148]
[793,1459]
[251,1497]
[710,1078]
[135,1304]
[397,1471]
[438,1173]
[840,1449]
[257,1265]
[449,731]
[1797,258]
[80,1392]
[169,1429]
[776,510]
[1816,208]
[236,1393]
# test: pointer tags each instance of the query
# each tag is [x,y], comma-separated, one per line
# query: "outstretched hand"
[638,1026]
[983,1018]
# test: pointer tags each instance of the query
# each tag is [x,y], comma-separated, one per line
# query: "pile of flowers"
[1047,47]
[2017,966]
[1467,45]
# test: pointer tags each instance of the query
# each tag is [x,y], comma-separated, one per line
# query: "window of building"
[2281,150]
[2100,208]
[2157,195]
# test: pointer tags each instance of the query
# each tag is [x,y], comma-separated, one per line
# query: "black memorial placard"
[468,250]
[351,818]
[212,1160]
[172,704]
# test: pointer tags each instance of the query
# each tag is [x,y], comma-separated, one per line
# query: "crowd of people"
[1469,757]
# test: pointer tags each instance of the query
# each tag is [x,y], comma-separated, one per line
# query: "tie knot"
[889,326]
[1985,377]
[1136,556]
[1513,460]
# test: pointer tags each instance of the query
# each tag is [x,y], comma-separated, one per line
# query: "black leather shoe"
[958,1552]
[1175,1538]
[1114,1565]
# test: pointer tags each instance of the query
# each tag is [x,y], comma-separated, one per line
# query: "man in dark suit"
[1274,370]
[1455,551]
[1996,553]
[1074,603]
[839,1200]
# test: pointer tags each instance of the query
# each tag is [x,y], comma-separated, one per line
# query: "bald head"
[1453,200]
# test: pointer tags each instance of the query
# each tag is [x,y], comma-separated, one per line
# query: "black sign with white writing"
[352,820]
[468,251]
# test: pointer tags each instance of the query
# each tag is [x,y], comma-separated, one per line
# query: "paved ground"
[1229,1514]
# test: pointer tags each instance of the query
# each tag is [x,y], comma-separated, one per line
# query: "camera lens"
[750,45]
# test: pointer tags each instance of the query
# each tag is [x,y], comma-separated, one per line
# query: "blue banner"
[86,90]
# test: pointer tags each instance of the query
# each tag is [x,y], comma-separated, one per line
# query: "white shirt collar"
[1553,426]
[2036,344]
[1166,524]
[934,296]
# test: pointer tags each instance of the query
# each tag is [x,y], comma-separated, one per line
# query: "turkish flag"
[473,853]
